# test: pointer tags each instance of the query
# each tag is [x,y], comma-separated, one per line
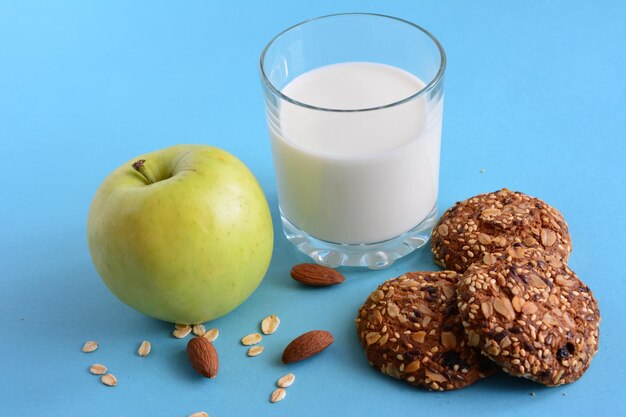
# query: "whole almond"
[307,345]
[316,275]
[203,356]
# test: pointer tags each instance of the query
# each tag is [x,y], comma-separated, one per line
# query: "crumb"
[482,170]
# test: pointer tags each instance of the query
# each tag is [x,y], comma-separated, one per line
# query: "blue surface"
[535,96]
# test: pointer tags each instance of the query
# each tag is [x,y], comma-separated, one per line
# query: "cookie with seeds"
[411,330]
[528,312]
[491,222]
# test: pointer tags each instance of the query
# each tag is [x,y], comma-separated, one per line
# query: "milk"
[356,177]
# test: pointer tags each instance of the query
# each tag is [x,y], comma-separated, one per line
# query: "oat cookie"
[491,222]
[411,330]
[529,313]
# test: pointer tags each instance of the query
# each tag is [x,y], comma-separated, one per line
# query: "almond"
[413,366]
[203,356]
[448,340]
[504,306]
[316,275]
[307,345]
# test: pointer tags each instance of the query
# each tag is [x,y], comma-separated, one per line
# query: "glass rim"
[428,87]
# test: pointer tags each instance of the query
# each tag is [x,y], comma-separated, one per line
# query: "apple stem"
[141,167]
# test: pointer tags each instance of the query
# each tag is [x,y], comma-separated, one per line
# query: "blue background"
[535,96]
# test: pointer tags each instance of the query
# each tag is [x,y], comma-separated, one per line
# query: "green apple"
[183,234]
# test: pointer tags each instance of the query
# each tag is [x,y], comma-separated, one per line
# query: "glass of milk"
[354,106]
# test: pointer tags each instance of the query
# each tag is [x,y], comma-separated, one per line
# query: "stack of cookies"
[507,300]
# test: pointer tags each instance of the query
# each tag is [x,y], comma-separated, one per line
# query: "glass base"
[371,255]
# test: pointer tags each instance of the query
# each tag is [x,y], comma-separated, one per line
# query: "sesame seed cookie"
[493,221]
[411,330]
[529,313]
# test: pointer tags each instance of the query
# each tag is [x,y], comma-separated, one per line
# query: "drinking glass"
[357,175]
